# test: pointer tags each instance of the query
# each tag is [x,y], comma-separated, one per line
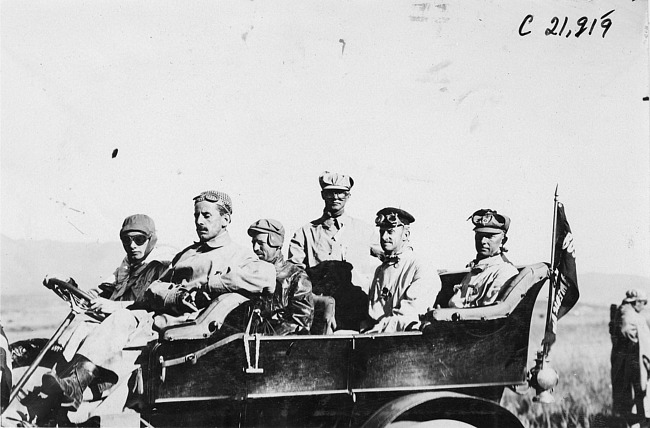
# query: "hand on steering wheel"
[59,278]
[104,306]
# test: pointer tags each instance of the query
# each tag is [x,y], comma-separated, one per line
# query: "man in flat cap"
[490,269]
[206,269]
[292,306]
[403,286]
[335,235]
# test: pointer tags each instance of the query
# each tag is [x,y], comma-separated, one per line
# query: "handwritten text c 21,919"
[583,25]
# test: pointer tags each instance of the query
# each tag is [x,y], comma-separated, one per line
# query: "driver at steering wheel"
[120,294]
[212,266]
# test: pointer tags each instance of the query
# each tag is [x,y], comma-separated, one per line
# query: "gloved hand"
[179,300]
[200,298]
[166,297]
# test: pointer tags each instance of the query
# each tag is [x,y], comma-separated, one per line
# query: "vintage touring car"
[220,369]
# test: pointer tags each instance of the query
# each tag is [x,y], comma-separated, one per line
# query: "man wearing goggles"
[143,264]
[204,270]
[119,295]
[490,269]
[336,235]
[213,266]
[403,287]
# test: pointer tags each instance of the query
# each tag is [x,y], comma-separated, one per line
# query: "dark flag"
[564,264]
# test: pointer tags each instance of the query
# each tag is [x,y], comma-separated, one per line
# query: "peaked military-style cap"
[392,217]
[273,228]
[487,220]
[138,223]
[219,198]
[334,181]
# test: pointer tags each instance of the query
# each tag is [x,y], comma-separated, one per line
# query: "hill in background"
[24,263]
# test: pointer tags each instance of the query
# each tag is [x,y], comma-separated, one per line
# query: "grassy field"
[580,356]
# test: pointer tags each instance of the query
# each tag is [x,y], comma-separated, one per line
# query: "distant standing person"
[631,360]
[335,235]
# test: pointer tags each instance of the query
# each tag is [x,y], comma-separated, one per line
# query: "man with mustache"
[403,286]
[292,305]
[210,267]
[490,270]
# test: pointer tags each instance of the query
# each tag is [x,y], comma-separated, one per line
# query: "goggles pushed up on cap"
[489,218]
[391,219]
[213,196]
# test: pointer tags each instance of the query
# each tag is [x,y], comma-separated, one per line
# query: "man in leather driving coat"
[292,307]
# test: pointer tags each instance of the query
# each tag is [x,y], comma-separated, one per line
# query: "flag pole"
[551,286]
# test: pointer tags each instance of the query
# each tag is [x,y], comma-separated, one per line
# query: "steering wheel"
[78,299]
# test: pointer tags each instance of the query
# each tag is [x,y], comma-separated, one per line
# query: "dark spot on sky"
[114,155]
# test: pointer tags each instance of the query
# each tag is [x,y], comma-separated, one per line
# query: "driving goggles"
[215,197]
[391,219]
[486,217]
[138,239]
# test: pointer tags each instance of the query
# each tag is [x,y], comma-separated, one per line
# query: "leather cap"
[273,228]
[138,223]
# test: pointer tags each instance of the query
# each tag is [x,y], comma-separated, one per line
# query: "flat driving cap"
[219,198]
[392,217]
[487,220]
[272,227]
[138,223]
[333,181]
[635,295]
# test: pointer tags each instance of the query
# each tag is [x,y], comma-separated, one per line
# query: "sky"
[438,108]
